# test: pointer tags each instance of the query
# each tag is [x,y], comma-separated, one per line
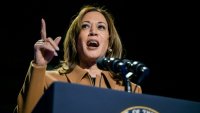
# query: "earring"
[109,50]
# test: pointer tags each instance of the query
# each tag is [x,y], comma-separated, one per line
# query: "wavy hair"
[70,58]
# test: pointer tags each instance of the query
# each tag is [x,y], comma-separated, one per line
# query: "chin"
[92,57]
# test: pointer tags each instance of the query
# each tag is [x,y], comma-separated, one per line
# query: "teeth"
[93,43]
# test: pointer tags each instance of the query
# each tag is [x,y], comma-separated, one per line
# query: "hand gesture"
[45,48]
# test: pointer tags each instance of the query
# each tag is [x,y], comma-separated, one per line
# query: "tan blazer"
[38,79]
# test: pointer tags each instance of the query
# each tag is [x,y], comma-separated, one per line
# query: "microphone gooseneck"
[125,67]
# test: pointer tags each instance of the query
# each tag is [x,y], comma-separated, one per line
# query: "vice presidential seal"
[139,109]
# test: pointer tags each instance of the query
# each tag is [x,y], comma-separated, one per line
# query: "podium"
[73,98]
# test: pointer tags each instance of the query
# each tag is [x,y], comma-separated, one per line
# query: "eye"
[101,27]
[85,26]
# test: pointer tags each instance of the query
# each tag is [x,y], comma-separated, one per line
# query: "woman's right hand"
[45,48]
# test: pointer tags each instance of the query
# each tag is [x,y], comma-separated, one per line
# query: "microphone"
[136,67]
[126,68]
[115,64]
[109,64]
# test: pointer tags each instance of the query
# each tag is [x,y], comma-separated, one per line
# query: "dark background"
[162,35]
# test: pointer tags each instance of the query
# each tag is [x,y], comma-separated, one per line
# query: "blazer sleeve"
[32,89]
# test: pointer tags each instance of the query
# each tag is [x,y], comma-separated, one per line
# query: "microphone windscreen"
[100,63]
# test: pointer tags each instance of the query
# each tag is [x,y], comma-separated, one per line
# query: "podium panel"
[74,98]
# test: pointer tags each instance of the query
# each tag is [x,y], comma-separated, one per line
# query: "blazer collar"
[79,73]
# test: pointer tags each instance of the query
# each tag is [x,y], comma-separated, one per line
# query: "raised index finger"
[43,30]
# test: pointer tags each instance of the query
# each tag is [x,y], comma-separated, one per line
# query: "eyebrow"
[98,22]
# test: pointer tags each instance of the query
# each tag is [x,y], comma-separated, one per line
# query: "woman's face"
[93,39]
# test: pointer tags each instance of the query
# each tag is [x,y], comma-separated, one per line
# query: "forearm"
[33,88]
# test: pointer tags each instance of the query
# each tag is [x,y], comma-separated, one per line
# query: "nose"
[93,31]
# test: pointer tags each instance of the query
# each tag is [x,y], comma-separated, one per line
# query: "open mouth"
[92,43]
